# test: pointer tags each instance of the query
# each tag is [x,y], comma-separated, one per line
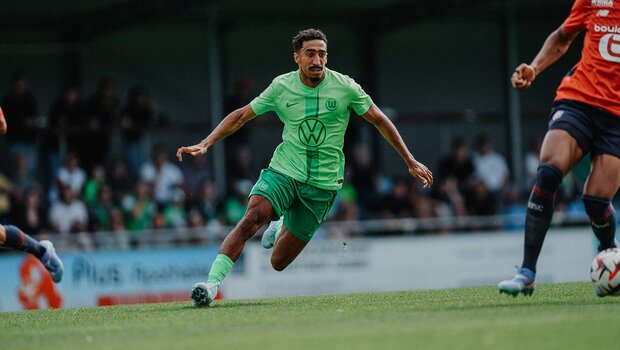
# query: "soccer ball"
[605,272]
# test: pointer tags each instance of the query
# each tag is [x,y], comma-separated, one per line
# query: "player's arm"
[233,122]
[554,47]
[3,126]
[377,118]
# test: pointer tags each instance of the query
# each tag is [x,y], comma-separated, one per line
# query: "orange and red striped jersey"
[595,79]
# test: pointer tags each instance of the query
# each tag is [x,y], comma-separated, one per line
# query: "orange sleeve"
[576,21]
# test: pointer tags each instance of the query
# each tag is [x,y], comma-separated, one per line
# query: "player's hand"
[523,77]
[421,172]
[195,150]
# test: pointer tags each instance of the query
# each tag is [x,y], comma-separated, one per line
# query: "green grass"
[557,316]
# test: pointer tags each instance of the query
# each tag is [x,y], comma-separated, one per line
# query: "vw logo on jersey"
[331,104]
[609,47]
[312,132]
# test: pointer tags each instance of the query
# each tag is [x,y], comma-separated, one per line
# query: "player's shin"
[539,213]
[220,268]
[603,220]
[16,239]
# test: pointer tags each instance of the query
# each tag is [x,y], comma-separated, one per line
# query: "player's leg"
[14,238]
[258,213]
[300,222]
[599,190]
[287,247]
[270,197]
[559,153]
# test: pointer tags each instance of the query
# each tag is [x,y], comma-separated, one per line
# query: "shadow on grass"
[230,304]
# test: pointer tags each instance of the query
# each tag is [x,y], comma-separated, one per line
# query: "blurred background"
[98,96]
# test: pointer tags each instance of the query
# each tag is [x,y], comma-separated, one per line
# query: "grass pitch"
[557,316]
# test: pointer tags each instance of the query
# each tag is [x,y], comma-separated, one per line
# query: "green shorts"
[304,206]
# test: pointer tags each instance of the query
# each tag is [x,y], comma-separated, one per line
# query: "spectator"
[94,184]
[101,209]
[20,110]
[31,216]
[197,227]
[140,113]
[450,194]
[195,173]
[195,220]
[396,204]
[174,212]
[490,167]
[115,238]
[480,202]
[239,167]
[421,205]
[71,175]
[21,176]
[364,178]
[455,176]
[235,205]
[7,193]
[121,180]
[210,204]
[102,110]
[531,162]
[345,206]
[139,207]
[69,214]
[66,118]
[458,165]
[117,220]
[233,144]
[158,222]
[67,109]
[165,176]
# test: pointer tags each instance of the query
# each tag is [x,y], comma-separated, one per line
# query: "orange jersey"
[595,79]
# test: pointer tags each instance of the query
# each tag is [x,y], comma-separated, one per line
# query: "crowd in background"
[87,192]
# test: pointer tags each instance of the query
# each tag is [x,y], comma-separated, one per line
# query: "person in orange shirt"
[585,118]
[14,238]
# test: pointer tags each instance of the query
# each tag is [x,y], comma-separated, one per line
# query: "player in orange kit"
[585,118]
[13,238]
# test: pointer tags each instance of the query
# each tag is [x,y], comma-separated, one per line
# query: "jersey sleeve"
[576,21]
[360,101]
[266,101]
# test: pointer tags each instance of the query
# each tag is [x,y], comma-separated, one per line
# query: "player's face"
[311,60]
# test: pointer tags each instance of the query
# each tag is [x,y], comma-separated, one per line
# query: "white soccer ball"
[605,272]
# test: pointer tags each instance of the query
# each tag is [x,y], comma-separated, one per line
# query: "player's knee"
[598,209]
[278,264]
[252,220]
[548,178]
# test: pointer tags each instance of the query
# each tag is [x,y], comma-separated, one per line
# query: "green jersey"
[315,120]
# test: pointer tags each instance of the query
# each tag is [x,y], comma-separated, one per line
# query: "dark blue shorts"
[595,130]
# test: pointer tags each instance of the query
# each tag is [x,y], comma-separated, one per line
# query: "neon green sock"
[220,268]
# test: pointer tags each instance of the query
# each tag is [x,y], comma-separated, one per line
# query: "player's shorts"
[304,206]
[595,130]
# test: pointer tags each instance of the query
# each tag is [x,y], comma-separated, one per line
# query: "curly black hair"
[307,35]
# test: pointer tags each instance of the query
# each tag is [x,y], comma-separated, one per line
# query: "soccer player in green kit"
[307,168]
